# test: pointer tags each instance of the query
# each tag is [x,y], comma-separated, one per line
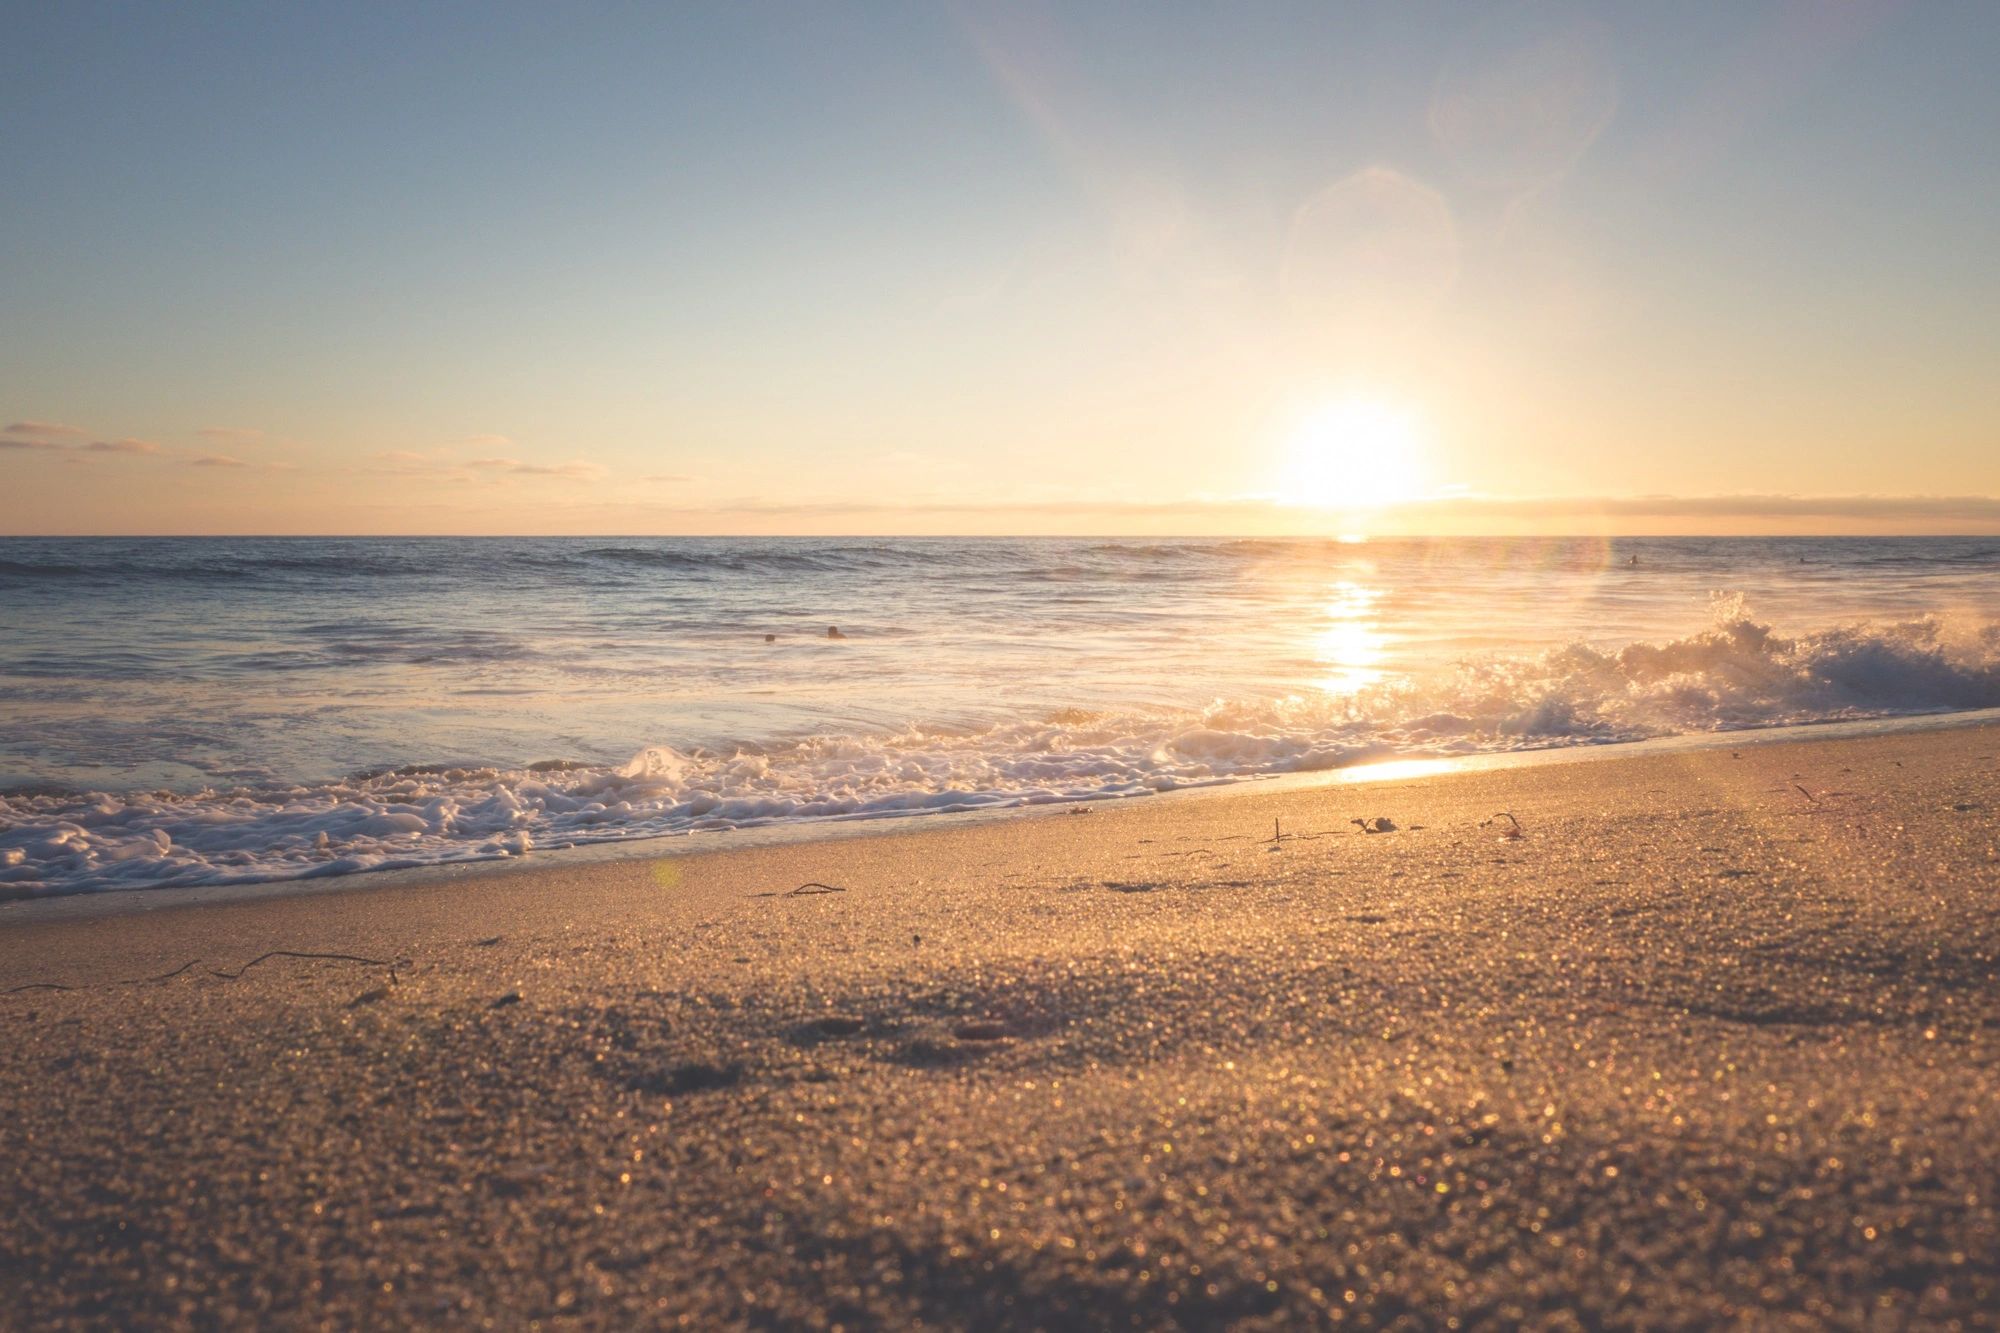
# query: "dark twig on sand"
[164,976]
[809,889]
[294,953]
[1512,832]
[1279,837]
[1808,795]
[190,964]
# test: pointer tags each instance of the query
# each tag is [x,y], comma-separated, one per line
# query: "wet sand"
[1713,1042]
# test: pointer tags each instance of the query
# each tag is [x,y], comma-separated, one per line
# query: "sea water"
[186,711]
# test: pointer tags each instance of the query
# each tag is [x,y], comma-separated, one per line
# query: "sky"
[913,268]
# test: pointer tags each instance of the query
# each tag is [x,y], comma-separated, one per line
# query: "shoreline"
[1716,1041]
[112,902]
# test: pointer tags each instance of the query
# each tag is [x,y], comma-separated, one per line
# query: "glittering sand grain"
[1712,1042]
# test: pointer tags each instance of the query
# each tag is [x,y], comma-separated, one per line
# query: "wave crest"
[1736,673]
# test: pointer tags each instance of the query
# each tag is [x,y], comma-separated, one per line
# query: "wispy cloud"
[231,434]
[217,460]
[45,430]
[1980,508]
[574,470]
[1464,513]
[411,463]
[45,442]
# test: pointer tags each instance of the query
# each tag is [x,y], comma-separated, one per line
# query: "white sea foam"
[1736,674]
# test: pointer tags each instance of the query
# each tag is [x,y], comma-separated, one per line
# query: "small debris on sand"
[810,888]
[694,1076]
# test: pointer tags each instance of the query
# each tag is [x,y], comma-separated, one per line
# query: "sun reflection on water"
[1351,646]
[1392,770]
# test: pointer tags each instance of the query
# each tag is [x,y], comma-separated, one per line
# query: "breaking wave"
[1735,674]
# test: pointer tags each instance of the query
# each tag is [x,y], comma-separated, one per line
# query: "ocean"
[193,711]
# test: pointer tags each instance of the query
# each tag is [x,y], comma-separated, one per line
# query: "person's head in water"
[770,638]
[833,632]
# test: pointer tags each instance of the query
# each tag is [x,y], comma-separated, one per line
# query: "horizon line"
[1357,538]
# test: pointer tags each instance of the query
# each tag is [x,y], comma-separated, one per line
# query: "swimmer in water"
[770,638]
[833,632]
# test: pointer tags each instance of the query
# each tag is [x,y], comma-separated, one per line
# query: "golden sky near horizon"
[1442,268]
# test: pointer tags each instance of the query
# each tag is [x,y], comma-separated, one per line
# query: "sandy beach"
[988,667]
[1712,1041]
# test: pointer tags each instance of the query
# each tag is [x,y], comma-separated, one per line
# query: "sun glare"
[1353,454]
[1351,645]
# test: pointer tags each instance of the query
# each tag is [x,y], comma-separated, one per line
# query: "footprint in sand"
[839,1025]
[981,1031]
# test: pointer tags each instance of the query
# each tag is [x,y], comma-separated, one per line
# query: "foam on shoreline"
[1737,674]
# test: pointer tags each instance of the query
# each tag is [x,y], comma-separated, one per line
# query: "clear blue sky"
[891,266]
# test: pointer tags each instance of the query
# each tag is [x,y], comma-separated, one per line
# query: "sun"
[1353,454]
